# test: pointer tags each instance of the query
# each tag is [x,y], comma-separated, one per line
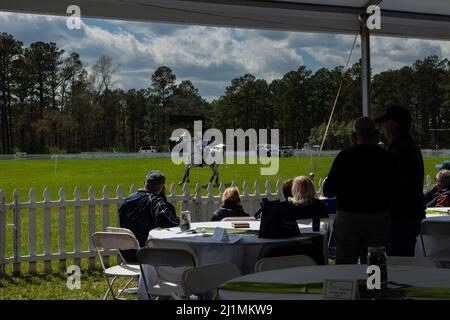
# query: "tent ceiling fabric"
[404,18]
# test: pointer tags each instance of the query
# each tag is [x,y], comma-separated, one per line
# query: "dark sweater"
[362,179]
[228,211]
[316,209]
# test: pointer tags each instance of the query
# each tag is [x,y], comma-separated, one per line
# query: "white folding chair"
[275,263]
[412,261]
[431,227]
[239,219]
[119,230]
[202,281]
[164,257]
[116,241]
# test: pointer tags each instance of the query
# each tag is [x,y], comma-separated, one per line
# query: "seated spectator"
[287,188]
[147,209]
[231,205]
[439,196]
[304,198]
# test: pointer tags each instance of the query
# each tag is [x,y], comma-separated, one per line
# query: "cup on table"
[185,220]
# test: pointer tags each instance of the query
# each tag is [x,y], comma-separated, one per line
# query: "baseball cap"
[395,113]
[443,165]
[155,178]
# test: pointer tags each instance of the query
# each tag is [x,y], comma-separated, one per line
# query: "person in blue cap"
[439,196]
[147,209]
[408,208]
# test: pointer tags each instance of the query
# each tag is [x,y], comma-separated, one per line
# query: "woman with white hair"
[439,196]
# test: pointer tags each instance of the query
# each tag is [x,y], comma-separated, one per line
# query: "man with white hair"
[439,196]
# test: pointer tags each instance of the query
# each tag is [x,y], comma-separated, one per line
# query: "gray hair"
[444,177]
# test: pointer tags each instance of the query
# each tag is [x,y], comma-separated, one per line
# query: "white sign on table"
[220,234]
[340,289]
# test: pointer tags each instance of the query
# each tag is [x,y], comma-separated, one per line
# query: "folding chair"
[202,281]
[116,241]
[267,264]
[119,230]
[412,261]
[164,257]
[239,219]
[432,227]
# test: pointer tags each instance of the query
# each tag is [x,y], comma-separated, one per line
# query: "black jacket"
[225,212]
[316,209]
[362,179]
[409,175]
[144,211]
[437,198]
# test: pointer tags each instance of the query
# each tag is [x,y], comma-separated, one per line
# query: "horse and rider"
[201,150]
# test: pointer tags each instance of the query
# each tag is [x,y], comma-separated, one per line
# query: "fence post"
[77,226]
[2,233]
[119,193]
[47,232]
[16,232]
[62,227]
[32,230]
[105,208]
[91,226]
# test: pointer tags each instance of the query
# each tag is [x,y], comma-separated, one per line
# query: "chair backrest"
[412,261]
[119,230]
[313,250]
[167,257]
[114,240]
[267,264]
[201,280]
[164,243]
[429,227]
[239,219]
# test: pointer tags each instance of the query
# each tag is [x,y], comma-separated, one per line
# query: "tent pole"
[365,68]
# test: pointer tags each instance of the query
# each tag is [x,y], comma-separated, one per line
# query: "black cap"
[395,113]
[155,179]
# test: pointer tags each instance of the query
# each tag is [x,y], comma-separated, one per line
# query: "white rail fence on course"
[50,230]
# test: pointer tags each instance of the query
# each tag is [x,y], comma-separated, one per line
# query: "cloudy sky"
[209,57]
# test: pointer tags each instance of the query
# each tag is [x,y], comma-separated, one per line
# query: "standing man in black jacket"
[408,208]
[147,209]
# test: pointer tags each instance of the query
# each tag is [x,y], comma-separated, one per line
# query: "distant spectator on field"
[231,205]
[147,209]
[439,196]
[287,188]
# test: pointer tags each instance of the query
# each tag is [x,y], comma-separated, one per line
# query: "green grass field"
[24,174]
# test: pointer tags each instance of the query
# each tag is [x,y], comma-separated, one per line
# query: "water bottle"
[377,256]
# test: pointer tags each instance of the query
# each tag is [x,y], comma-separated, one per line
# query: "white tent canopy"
[428,19]
[406,18]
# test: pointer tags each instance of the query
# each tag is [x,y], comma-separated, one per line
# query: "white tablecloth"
[417,276]
[243,253]
[433,244]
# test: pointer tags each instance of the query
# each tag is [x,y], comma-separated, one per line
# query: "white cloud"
[208,56]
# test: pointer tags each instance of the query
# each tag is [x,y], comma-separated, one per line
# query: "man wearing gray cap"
[147,209]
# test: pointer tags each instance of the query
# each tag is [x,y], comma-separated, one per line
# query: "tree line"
[50,101]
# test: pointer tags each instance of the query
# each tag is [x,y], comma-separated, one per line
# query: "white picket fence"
[201,208]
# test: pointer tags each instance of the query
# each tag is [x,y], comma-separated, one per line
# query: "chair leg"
[126,286]
[423,245]
[110,288]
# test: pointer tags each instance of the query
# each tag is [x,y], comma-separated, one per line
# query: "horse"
[190,164]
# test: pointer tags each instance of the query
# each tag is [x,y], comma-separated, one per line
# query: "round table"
[416,276]
[243,250]
[434,244]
